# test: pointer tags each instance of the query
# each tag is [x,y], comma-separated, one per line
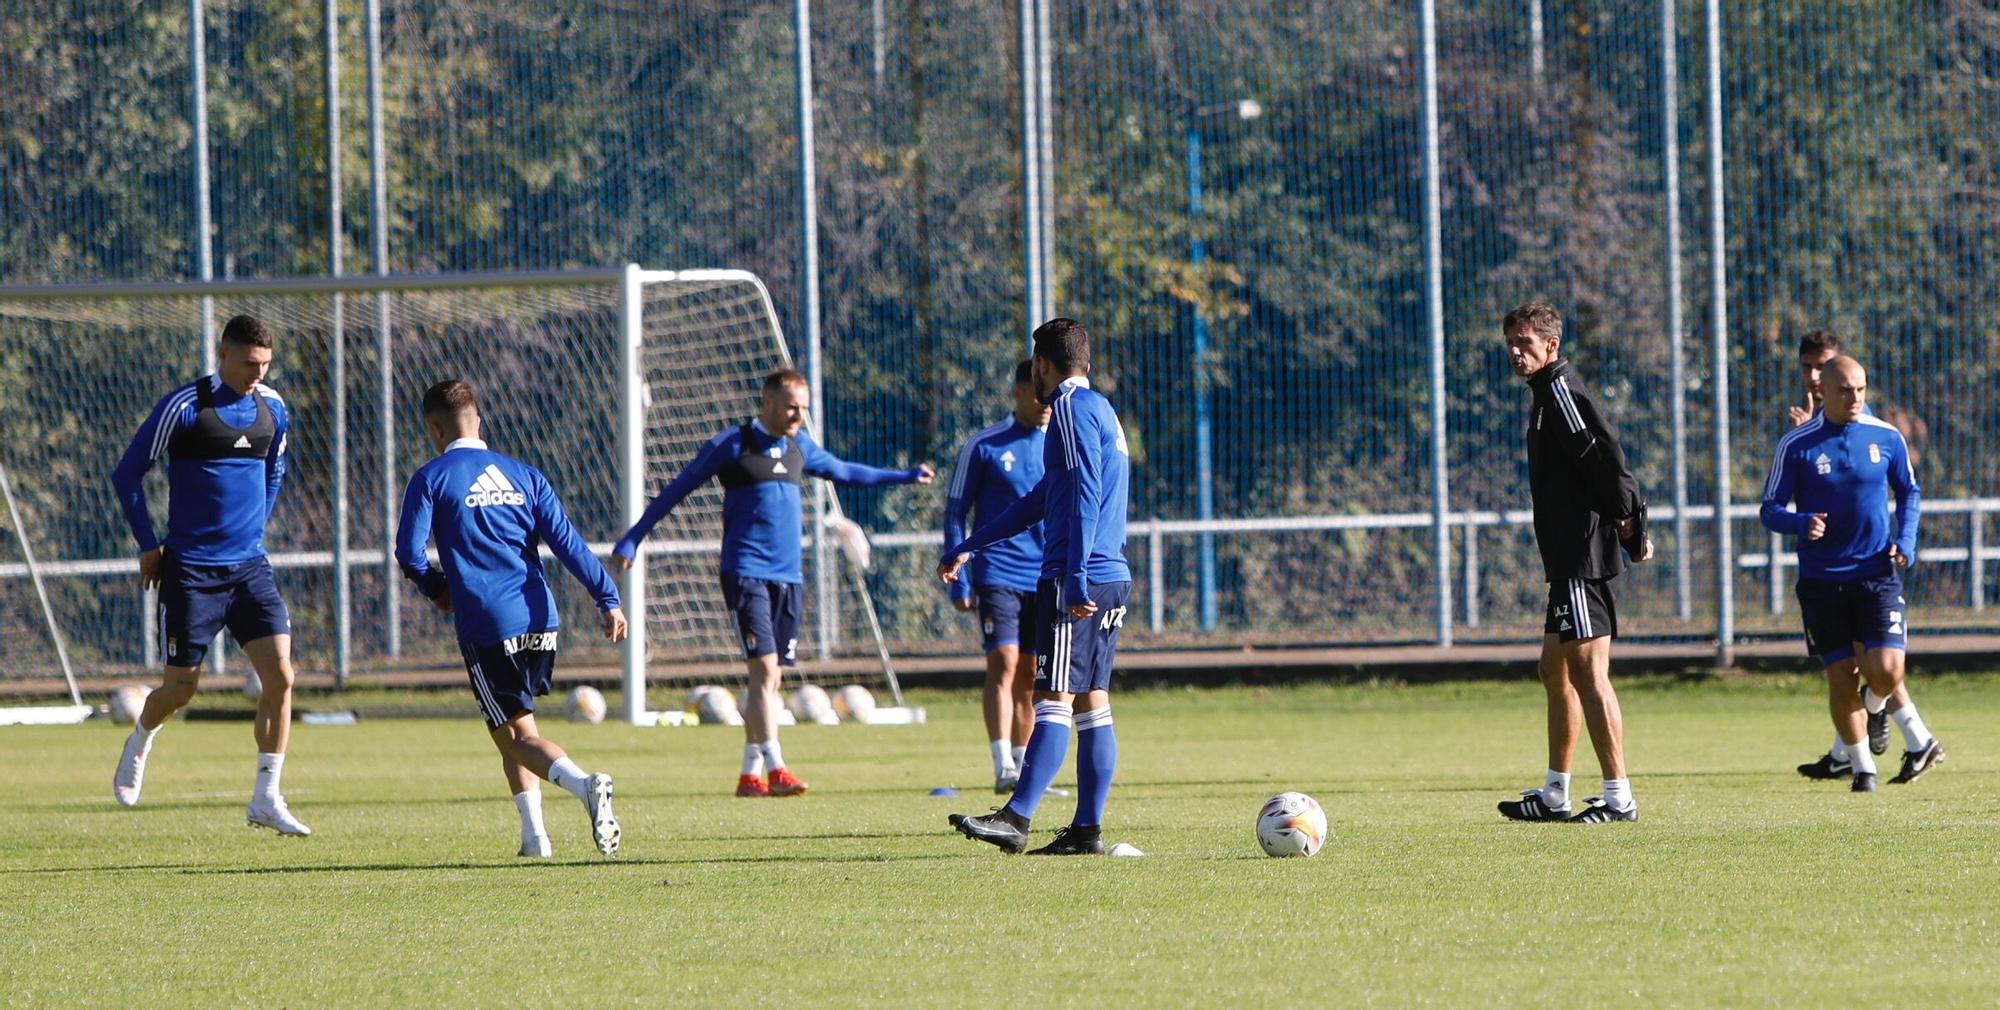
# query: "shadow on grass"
[529,866]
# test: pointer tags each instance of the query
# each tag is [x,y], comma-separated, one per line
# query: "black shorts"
[1073,654]
[1840,615]
[1581,609]
[508,676]
[196,601]
[1000,610]
[767,616]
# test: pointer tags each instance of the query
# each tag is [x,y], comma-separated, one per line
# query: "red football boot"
[750,786]
[784,783]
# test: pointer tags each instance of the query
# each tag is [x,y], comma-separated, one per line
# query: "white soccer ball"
[810,704]
[1291,824]
[719,706]
[853,703]
[585,704]
[696,694]
[253,685]
[126,703]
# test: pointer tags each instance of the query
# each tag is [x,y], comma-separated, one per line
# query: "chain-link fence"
[1236,209]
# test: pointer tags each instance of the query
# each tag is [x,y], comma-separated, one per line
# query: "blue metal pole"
[1204,444]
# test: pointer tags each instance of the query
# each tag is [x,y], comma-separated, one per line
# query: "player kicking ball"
[763,464]
[223,438]
[489,515]
[998,466]
[1079,603]
[1840,467]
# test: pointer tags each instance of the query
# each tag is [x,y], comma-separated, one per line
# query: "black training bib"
[210,437]
[754,467]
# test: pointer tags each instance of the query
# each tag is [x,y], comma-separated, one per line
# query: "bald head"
[1845,385]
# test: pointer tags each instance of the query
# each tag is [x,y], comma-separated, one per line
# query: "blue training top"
[1081,498]
[489,514]
[1844,471]
[760,518]
[995,469]
[217,500]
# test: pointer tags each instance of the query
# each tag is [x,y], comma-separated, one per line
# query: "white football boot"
[537,847]
[603,823]
[131,773]
[275,815]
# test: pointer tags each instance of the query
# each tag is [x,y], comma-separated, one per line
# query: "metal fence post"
[1434,310]
[824,604]
[1156,579]
[1670,135]
[632,483]
[1725,557]
[1031,174]
[385,352]
[342,629]
[1774,588]
[1471,573]
[1975,566]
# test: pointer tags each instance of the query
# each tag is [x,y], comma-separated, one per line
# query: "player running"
[1587,507]
[1840,466]
[1000,464]
[489,515]
[223,437]
[1079,603]
[1816,349]
[763,464]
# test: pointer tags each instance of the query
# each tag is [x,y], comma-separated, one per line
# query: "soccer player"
[1000,464]
[1587,507]
[223,437]
[1817,348]
[1840,467]
[1079,603]
[763,464]
[489,515]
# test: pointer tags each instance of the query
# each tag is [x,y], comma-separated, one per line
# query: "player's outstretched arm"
[706,464]
[821,463]
[963,490]
[1025,512]
[553,526]
[413,531]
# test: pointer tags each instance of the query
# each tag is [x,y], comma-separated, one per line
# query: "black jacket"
[1577,476]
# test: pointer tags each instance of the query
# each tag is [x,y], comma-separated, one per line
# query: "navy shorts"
[508,676]
[1073,654]
[1000,611]
[767,616]
[1580,610]
[1838,615]
[196,601]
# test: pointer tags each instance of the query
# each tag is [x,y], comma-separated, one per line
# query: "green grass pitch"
[1744,886]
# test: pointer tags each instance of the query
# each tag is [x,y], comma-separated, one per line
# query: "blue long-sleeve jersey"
[995,469]
[760,521]
[216,507]
[1080,500]
[490,514]
[1846,472]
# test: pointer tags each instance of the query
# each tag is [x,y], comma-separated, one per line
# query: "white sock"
[269,767]
[1003,758]
[1916,735]
[1618,794]
[529,803]
[1838,750]
[774,756]
[1020,755]
[1859,756]
[1871,701]
[1555,789]
[566,774]
[753,759]
[146,735]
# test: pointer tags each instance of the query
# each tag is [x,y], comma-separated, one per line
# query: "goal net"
[546,352]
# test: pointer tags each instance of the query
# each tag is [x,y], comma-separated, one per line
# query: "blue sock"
[1047,746]
[1096,760]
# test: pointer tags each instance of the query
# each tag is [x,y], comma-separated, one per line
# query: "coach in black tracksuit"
[1587,511]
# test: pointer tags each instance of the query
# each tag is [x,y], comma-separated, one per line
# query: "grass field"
[1743,886]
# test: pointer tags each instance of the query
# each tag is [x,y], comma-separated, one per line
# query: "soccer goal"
[607,380]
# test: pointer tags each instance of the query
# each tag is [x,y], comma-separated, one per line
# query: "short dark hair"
[452,396]
[246,331]
[1818,342]
[784,377]
[1538,316]
[1063,343]
[1024,372]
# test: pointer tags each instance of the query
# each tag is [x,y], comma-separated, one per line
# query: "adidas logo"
[242,442]
[779,468]
[493,488]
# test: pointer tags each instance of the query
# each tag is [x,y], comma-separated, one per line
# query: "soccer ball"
[718,706]
[854,703]
[126,702]
[695,696]
[1291,824]
[810,704]
[585,704]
